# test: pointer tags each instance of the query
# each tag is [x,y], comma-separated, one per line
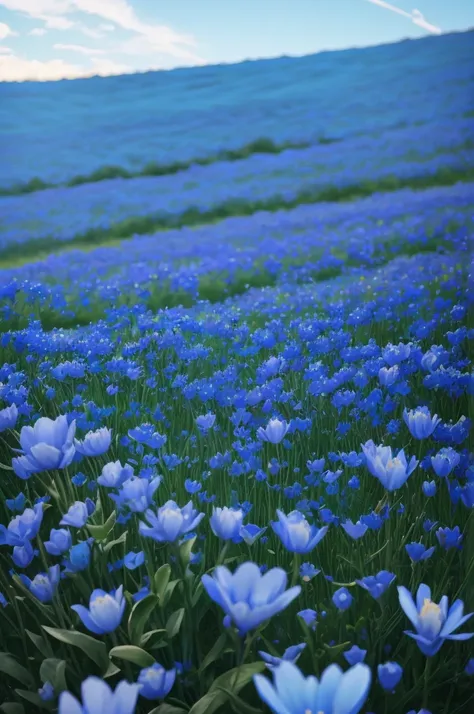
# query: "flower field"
[236,448]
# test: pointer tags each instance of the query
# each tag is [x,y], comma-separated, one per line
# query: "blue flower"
[105,611]
[94,443]
[98,697]
[23,555]
[114,474]
[389,675]
[337,692]
[449,537]
[79,557]
[274,432]
[296,534]
[433,623]
[469,670]
[376,585]
[206,421]
[308,616]
[420,422]
[247,597]
[136,493]
[192,486]
[354,530]
[22,528]
[17,503]
[291,654]
[342,599]
[46,692]
[8,417]
[226,523]
[417,551]
[133,560]
[251,533]
[170,522]
[445,461]
[429,488]
[46,446]
[391,471]
[388,375]
[59,541]
[354,655]
[308,571]
[43,586]
[76,516]
[156,682]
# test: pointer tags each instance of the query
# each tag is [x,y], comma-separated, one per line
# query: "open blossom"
[47,445]
[274,432]
[296,534]
[392,471]
[420,422]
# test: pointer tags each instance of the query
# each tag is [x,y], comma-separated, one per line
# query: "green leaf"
[239,706]
[215,652]
[101,532]
[152,639]
[185,551]
[41,643]
[94,649]
[174,622]
[12,708]
[54,671]
[33,698]
[209,703]
[169,592]
[9,666]
[336,650]
[161,580]
[139,615]
[130,653]
[168,709]
[112,670]
[121,539]
[235,679]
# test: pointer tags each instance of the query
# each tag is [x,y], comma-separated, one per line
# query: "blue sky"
[52,39]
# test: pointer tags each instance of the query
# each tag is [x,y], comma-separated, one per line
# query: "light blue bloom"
[105,611]
[114,474]
[79,557]
[59,542]
[445,461]
[389,675]
[22,528]
[429,488]
[94,443]
[291,654]
[417,551]
[76,516]
[434,623]
[156,682]
[136,493]
[388,375]
[8,417]
[170,522]
[391,471]
[342,599]
[251,533]
[132,561]
[355,530]
[274,432]
[226,523]
[17,503]
[354,655]
[247,597]
[98,698]
[44,585]
[420,422]
[337,692]
[48,445]
[206,421]
[46,692]
[23,554]
[376,585]
[296,534]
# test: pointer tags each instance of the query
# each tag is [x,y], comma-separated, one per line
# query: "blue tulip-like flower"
[46,692]
[389,675]
[434,623]
[205,421]
[136,493]
[355,530]
[417,551]
[47,445]
[342,599]
[445,461]
[376,585]
[354,655]
[23,555]
[22,528]
[274,432]
[296,534]
[170,522]
[226,523]
[98,698]
[337,692]
[251,533]
[94,443]
[8,417]
[291,654]
[114,474]
[76,516]
[392,471]
[247,597]
[156,682]
[44,585]
[420,422]
[429,488]
[105,611]
[79,557]
[59,542]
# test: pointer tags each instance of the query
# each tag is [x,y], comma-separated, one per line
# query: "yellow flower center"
[430,610]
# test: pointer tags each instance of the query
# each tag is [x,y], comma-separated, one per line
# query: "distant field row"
[120,208]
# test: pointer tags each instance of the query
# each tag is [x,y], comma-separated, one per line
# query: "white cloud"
[106,27]
[415,16]
[5,50]
[89,51]
[6,31]
[37,31]
[18,69]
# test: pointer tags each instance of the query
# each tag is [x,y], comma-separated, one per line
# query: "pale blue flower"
[296,534]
